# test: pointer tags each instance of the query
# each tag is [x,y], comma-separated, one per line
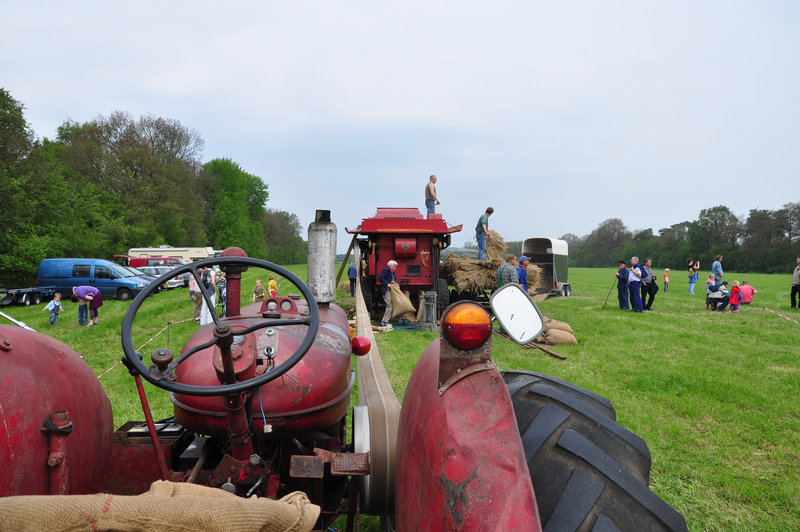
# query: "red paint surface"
[314,394]
[460,461]
[40,375]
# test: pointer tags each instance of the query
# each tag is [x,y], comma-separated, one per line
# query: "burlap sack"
[555,324]
[400,302]
[557,336]
[168,506]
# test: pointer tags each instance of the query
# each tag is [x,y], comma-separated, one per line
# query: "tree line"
[765,241]
[115,182]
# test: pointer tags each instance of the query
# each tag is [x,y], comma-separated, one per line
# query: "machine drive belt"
[375,392]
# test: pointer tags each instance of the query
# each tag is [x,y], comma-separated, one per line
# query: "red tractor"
[261,399]
[415,242]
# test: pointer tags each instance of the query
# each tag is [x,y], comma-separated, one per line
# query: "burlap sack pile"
[168,506]
[557,332]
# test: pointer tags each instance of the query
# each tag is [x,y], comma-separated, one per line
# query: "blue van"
[111,279]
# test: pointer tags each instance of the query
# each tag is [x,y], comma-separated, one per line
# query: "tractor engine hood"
[312,395]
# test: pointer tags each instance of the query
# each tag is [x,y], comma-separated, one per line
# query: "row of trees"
[766,241]
[104,186]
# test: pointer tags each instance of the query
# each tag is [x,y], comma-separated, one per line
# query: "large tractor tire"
[588,472]
[366,291]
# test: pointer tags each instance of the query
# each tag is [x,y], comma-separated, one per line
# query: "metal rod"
[151,427]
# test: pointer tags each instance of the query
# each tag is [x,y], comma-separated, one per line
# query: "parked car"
[111,279]
[158,271]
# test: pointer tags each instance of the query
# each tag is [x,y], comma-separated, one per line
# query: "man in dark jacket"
[649,286]
[387,276]
[622,286]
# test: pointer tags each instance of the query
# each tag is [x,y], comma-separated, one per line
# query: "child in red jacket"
[734,300]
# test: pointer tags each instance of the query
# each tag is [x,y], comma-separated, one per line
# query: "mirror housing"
[517,313]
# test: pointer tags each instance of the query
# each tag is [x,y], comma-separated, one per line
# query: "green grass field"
[713,394]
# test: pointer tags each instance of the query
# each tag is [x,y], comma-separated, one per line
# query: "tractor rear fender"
[460,460]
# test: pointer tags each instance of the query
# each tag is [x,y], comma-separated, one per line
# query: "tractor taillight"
[467,325]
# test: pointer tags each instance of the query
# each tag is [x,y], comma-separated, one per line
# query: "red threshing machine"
[261,398]
[403,234]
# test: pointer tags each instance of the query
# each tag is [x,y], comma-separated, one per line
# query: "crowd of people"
[637,287]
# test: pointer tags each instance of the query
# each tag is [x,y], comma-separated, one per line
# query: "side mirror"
[517,313]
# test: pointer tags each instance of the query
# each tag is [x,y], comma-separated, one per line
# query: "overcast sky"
[560,115]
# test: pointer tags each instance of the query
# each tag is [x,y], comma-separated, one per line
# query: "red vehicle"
[138,262]
[261,398]
[416,243]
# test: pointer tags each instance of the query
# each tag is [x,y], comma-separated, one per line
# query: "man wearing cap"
[718,296]
[795,284]
[622,286]
[522,272]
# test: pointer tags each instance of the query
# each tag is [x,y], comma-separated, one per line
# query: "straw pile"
[495,247]
[534,274]
[469,275]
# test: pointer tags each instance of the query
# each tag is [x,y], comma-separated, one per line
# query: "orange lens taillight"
[467,326]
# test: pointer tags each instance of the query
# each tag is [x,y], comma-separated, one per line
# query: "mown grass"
[713,394]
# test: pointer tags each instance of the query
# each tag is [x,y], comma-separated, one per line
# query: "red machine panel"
[57,427]
[405,248]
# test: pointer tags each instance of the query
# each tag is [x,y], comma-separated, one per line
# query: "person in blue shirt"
[522,272]
[716,269]
[54,307]
[622,286]
[387,276]
[352,274]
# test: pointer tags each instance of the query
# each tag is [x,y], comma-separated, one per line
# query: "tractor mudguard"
[460,460]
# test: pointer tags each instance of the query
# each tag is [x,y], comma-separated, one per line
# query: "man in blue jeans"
[481,230]
[431,199]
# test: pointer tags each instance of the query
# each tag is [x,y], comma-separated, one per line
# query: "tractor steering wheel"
[223,333]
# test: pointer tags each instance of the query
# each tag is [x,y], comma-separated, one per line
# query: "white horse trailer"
[551,255]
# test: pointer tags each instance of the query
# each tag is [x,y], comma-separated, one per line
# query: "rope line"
[169,324]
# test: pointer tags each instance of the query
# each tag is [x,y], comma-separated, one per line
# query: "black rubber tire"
[26,300]
[443,294]
[124,294]
[588,472]
[366,291]
[37,298]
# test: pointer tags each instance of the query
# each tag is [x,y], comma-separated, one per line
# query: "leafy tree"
[16,137]
[716,232]
[283,239]
[151,166]
[603,245]
[236,203]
